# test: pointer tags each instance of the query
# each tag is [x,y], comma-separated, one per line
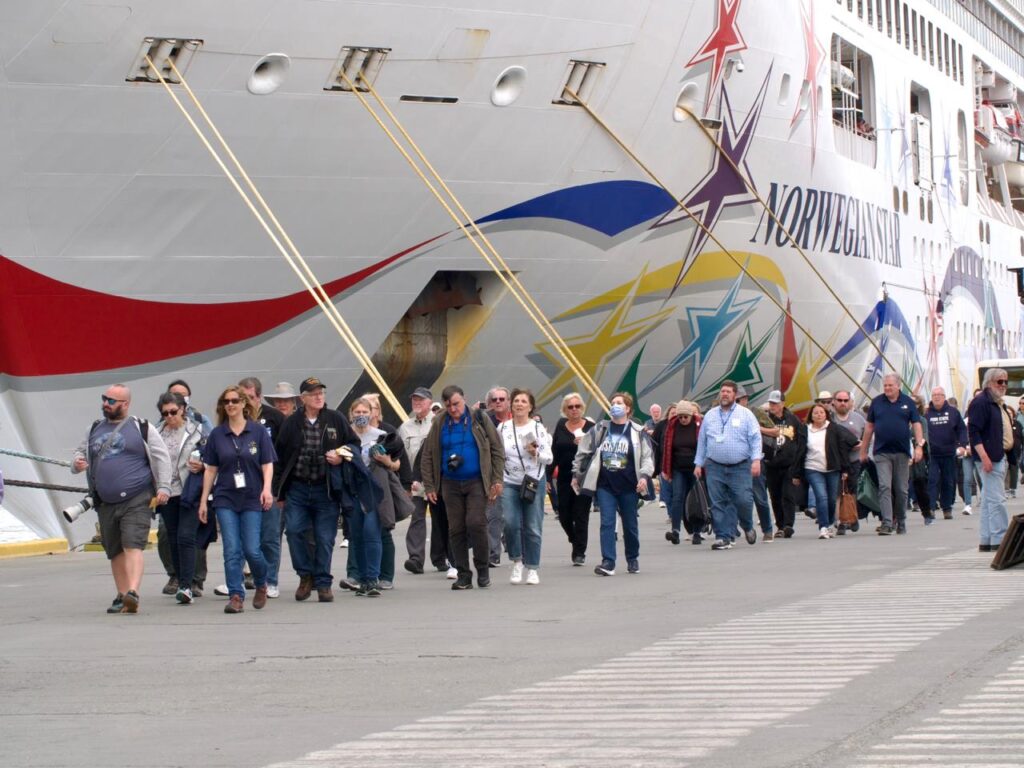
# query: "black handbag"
[528,490]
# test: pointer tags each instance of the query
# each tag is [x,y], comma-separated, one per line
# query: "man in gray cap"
[413,432]
[785,445]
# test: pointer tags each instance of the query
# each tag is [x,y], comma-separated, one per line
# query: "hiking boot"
[259,600]
[235,605]
[947,514]
[171,587]
[324,595]
[901,528]
[131,602]
[118,604]
[197,588]
[305,588]
[672,536]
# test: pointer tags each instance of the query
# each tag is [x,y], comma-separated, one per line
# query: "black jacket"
[335,432]
[985,426]
[790,451]
[839,441]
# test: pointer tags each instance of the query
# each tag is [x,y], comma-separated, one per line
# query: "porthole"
[896,199]
[688,99]
[931,211]
[784,90]
[906,203]
[508,87]
[268,74]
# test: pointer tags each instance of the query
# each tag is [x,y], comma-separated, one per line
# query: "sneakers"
[385,584]
[661,504]
[131,602]
[633,566]
[221,590]
[273,592]
[750,536]
[901,528]
[171,587]
[578,560]
[373,589]
[344,543]
[453,573]
[324,595]
[361,589]
[183,596]
[811,512]
[517,573]
[787,532]
[197,589]
[495,562]
[606,568]
[235,605]
[118,604]
[672,536]
[305,588]
[697,539]
[249,583]
[532,577]
[463,582]
[413,567]
[967,509]
[885,529]
[483,580]
[721,544]
[350,584]
[259,600]
[929,520]
[947,514]
[824,533]
[768,537]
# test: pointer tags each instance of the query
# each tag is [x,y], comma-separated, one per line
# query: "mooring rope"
[34,457]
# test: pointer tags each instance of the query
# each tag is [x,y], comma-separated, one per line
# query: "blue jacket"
[946,430]
[985,426]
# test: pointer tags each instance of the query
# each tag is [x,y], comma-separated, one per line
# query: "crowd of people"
[285,465]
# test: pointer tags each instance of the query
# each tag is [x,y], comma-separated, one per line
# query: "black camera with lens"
[454,462]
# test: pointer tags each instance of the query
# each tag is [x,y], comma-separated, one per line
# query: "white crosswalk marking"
[667,704]
[962,736]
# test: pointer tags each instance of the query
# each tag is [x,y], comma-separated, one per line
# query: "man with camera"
[463,457]
[306,444]
[129,474]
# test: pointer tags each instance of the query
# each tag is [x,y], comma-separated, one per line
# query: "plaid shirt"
[311,466]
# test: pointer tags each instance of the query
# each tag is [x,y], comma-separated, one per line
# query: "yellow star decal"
[595,350]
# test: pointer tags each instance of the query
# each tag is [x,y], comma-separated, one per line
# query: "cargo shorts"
[125,525]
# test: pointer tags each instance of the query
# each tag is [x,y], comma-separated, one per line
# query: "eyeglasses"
[842,399]
[111,400]
[498,399]
[824,402]
[170,412]
[577,405]
[230,401]
[1002,382]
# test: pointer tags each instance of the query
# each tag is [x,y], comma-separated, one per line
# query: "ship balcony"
[855,144]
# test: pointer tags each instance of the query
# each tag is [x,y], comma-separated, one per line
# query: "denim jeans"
[240,536]
[181,538]
[365,547]
[942,481]
[731,492]
[682,482]
[893,476]
[971,470]
[993,521]
[665,491]
[309,506]
[270,542]
[524,524]
[759,490]
[826,491]
[625,504]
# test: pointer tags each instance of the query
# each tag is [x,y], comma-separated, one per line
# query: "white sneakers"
[453,572]
[273,591]
[221,590]
[824,533]
[517,573]
[532,577]
[967,509]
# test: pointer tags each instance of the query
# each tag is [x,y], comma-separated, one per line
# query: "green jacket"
[492,452]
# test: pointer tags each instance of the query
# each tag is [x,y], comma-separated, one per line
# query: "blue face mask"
[361,421]
[617,411]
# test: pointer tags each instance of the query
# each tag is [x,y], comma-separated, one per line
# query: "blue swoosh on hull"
[609,207]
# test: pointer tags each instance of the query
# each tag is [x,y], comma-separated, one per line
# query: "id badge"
[719,438]
[735,422]
[239,480]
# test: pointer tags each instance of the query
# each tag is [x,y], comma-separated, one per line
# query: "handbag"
[867,491]
[846,507]
[528,490]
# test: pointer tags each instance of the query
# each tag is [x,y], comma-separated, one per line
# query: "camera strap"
[515,439]
[101,452]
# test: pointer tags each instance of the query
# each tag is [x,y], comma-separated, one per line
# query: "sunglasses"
[1002,382]
[842,399]
[231,401]
[111,400]
[498,399]
[170,412]
[580,405]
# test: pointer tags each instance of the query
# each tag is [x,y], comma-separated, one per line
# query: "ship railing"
[989,39]
[854,146]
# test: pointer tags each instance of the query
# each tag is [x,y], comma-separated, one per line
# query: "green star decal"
[744,369]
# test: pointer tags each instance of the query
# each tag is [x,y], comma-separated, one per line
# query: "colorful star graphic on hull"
[722,187]
[725,39]
[708,325]
[594,351]
[744,369]
[816,58]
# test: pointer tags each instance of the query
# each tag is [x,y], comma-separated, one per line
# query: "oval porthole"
[268,74]
[508,87]
[688,101]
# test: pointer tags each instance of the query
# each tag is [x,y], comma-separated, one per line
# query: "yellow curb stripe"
[31,548]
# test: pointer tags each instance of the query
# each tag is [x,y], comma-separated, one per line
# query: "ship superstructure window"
[898,23]
[963,151]
[580,78]
[354,61]
[921,135]
[162,51]
[853,101]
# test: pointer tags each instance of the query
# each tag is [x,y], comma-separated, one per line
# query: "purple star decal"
[721,188]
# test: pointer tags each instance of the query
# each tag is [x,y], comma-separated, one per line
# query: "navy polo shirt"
[245,453]
[892,423]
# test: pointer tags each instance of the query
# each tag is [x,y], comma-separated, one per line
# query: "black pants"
[181,539]
[466,503]
[440,543]
[780,489]
[574,515]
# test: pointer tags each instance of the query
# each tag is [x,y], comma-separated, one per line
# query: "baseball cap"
[423,392]
[308,385]
[775,396]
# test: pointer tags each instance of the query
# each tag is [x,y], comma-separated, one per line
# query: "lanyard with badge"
[724,416]
[239,474]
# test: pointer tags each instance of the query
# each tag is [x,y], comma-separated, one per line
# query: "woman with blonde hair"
[573,508]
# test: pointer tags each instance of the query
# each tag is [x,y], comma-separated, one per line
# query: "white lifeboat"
[993,136]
